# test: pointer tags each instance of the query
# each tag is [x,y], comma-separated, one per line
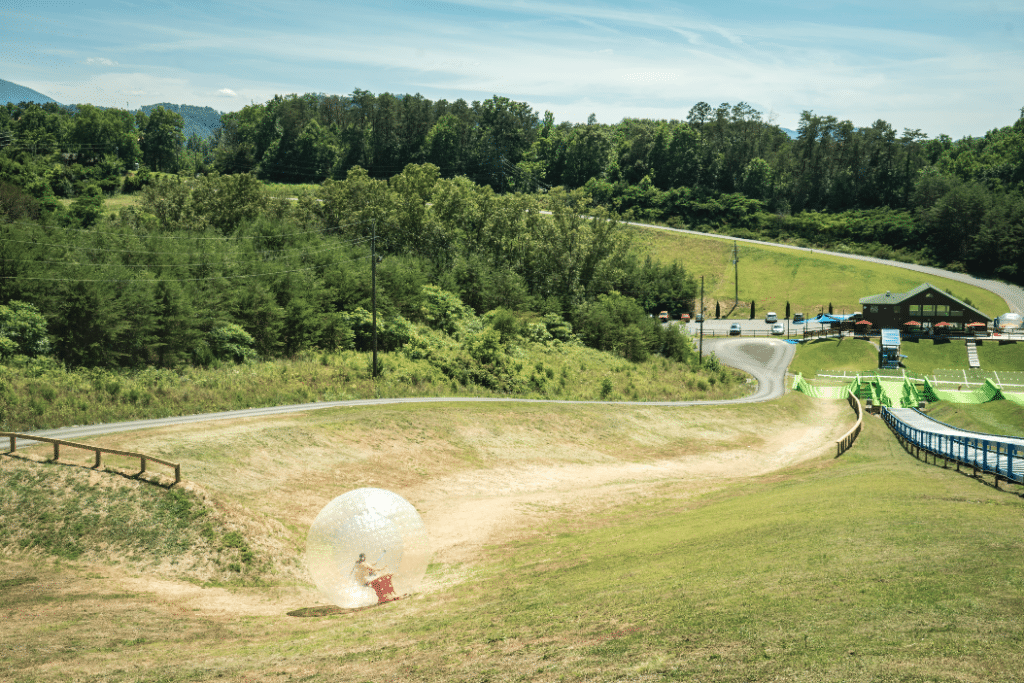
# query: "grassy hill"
[660,570]
[771,276]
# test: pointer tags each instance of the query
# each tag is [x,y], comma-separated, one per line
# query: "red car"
[685,317]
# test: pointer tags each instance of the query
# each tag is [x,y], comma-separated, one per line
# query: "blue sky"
[945,66]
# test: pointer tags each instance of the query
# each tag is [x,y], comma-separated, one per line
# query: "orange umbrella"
[912,322]
[863,322]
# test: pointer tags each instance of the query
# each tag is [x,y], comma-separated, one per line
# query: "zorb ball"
[367,546]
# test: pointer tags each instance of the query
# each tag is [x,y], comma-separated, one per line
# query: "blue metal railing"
[983,452]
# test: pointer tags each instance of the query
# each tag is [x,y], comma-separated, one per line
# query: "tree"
[162,139]
[718,309]
[752,313]
[22,330]
[787,310]
[954,221]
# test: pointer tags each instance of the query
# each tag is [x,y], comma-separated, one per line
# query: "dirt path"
[470,510]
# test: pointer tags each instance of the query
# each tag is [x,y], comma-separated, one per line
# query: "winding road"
[766,360]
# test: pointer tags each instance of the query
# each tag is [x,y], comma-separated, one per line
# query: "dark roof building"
[924,305]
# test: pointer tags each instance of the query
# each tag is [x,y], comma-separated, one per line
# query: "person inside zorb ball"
[367,546]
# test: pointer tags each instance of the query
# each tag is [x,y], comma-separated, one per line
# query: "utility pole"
[373,295]
[736,265]
[700,352]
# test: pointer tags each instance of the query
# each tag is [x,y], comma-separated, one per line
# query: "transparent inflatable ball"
[366,547]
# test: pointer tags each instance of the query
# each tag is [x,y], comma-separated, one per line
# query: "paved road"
[765,359]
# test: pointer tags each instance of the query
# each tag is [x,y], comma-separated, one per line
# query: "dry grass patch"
[491,480]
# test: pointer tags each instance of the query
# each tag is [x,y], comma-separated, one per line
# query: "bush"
[231,342]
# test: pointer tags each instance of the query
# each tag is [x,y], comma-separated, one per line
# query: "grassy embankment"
[43,394]
[771,276]
[832,570]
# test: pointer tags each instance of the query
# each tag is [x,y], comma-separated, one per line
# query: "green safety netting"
[831,392]
[898,388]
[1015,397]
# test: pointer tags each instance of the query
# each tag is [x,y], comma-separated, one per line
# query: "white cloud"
[227,92]
[102,61]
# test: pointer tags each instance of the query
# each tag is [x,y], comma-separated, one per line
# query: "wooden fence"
[844,443]
[99,450]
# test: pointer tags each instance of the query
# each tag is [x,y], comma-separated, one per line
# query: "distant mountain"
[202,121]
[12,92]
[791,133]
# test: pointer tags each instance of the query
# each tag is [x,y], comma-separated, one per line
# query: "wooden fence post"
[97,465]
[143,462]
[56,452]
[14,442]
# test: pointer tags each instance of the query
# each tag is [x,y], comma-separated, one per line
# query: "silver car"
[778,328]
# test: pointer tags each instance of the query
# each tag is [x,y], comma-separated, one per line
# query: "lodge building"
[923,307]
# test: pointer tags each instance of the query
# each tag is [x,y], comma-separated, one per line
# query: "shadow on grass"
[151,478]
[328,610]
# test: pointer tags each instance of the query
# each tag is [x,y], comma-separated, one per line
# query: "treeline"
[55,151]
[212,268]
[725,169]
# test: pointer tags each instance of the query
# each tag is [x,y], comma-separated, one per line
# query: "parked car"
[771,317]
[734,329]
[699,318]
[778,328]
[663,316]
[798,317]
[685,317]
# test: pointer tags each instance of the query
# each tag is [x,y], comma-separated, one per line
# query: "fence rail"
[844,443]
[984,452]
[99,450]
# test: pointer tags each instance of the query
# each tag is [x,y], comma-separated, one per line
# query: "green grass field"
[832,354]
[994,417]
[923,357]
[771,276]
[870,567]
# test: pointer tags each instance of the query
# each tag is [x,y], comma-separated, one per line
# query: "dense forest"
[208,265]
[958,204]
[214,269]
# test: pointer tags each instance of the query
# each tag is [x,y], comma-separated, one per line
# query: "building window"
[941,310]
[928,309]
[957,314]
[915,309]
[874,309]
[896,310]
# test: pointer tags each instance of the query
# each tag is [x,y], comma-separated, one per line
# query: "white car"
[771,317]
[778,328]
